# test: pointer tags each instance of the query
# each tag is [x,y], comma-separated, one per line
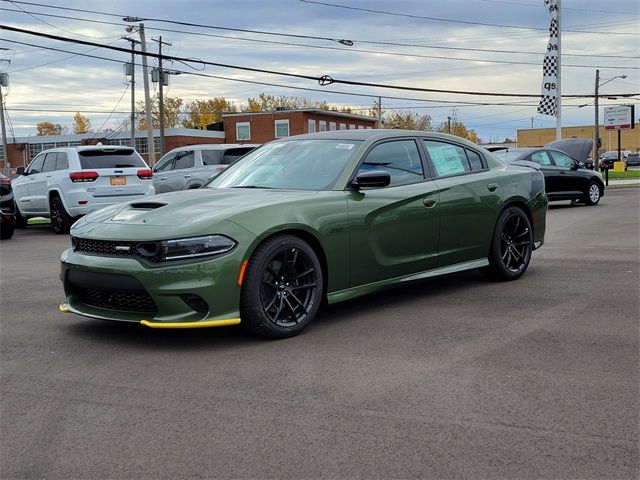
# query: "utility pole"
[596,131]
[4,130]
[449,125]
[379,112]
[147,98]
[4,81]
[160,93]
[133,88]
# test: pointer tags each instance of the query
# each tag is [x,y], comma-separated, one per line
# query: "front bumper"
[179,294]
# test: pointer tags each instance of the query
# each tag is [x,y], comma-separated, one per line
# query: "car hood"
[577,148]
[188,208]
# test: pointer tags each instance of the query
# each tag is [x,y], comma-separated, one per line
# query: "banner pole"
[559,73]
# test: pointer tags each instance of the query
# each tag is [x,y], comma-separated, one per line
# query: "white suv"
[66,183]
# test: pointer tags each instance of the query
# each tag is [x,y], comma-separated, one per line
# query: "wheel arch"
[55,193]
[517,202]
[310,239]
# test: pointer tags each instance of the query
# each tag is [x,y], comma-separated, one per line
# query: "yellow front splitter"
[65,308]
[204,324]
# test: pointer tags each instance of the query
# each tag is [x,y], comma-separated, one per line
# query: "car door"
[39,187]
[162,171]
[393,230]
[470,200]
[182,172]
[23,185]
[569,179]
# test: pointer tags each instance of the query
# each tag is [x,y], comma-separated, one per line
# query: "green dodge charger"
[314,218]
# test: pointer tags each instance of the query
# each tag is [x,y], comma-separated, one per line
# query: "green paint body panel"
[367,240]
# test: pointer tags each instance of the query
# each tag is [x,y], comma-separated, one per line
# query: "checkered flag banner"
[548,100]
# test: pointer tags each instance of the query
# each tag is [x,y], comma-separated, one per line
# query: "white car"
[66,183]
[189,167]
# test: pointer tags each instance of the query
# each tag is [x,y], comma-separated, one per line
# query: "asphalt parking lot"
[454,377]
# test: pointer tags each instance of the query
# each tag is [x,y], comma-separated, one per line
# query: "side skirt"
[353,292]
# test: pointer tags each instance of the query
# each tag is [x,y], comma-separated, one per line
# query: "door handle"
[429,202]
[163,178]
[562,173]
[187,176]
[492,187]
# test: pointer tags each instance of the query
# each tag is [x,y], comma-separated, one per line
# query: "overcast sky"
[52,85]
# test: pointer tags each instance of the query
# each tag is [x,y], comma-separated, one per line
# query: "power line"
[449,20]
[187,24]
[322,80]
[369,42]
[563,7]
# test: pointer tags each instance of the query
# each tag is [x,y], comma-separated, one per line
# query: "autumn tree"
[48,128]
[81,124]
[454,126]
[408,121]
[269,103]
[201,113]
[171,112]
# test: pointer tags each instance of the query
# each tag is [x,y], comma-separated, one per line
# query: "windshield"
[290,165]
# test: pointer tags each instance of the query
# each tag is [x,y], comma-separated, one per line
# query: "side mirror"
[580,165]
[20,171]
[372,179]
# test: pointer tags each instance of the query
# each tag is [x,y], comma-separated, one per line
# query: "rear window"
[121,158]
[224,157]
[233,154]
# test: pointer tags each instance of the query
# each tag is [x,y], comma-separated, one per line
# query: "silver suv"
[66,183]
[189,167]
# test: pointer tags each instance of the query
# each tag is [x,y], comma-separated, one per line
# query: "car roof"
[215,146]
[375,134]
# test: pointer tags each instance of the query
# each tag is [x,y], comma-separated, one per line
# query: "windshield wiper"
[251,186]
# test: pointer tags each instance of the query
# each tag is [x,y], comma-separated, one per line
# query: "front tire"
[61,221]
[282,288]
[7,229]
[21,222]
[511,245]
[592,195]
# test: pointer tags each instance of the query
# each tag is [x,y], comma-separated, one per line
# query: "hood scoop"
[146,205]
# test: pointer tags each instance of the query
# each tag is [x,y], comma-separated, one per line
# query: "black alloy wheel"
[282,288]
[511,246]
[61,221]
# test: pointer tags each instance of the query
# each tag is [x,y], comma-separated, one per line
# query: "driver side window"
[400,158]
[562,160]
[36,166]
[166,164]
[541,158]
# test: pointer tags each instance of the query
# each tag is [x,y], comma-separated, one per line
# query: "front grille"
[117,300]
[114,248]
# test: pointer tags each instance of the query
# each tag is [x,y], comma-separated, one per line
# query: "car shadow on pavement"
[136,336]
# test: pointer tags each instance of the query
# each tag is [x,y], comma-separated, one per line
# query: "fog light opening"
[196,303]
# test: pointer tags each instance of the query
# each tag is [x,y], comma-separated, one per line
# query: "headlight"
[194,247]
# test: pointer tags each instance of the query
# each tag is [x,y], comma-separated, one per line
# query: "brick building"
[261,127]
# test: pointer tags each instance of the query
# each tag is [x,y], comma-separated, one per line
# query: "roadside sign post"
[620,117]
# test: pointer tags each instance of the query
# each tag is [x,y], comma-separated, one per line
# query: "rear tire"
[592,195]
[511,245]
[61,221]
[282,288]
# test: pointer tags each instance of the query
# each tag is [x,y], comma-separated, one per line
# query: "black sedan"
[566,178]
[7,209]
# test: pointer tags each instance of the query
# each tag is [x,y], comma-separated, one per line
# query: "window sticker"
[344,146]
[446,159]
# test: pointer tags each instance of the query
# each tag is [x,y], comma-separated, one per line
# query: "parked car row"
[64,184]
